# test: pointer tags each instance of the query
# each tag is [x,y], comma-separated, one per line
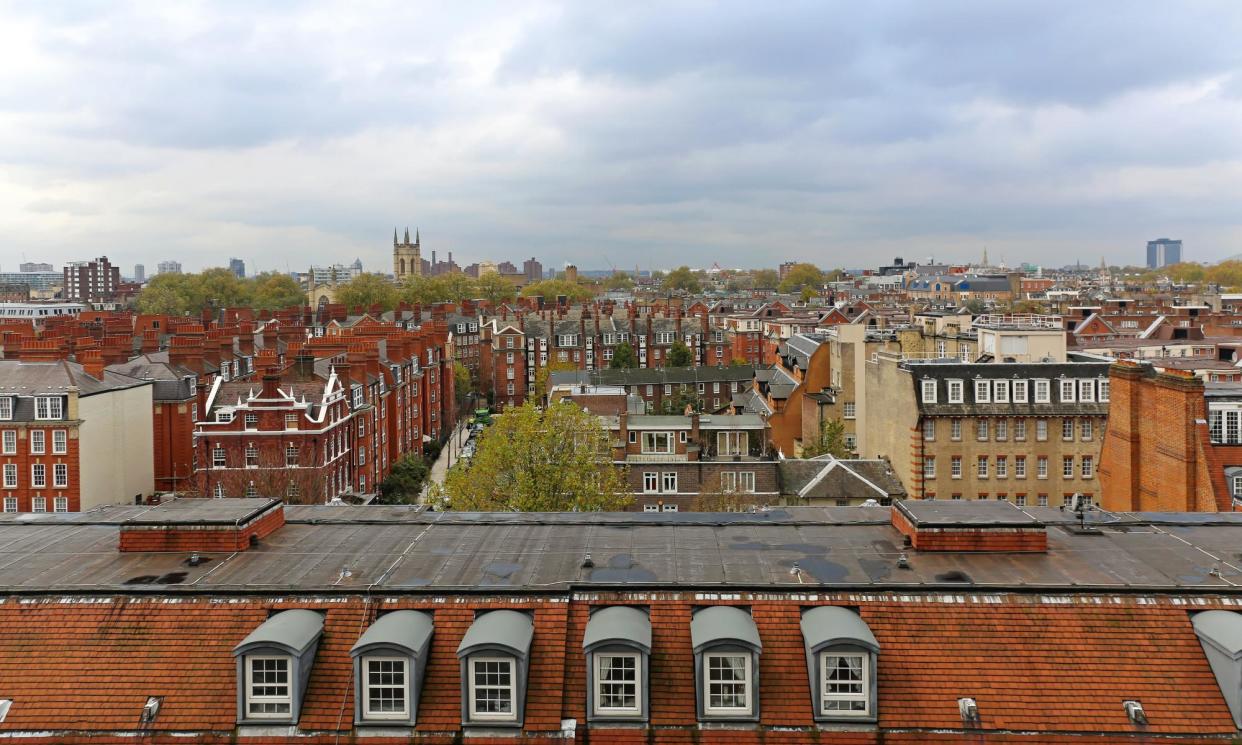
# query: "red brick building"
[748,628]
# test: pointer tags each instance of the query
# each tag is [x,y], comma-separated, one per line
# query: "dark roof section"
[827,478]
[19,378]
[654,375]
[942,372]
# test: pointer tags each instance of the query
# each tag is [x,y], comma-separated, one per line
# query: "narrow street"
[439,469]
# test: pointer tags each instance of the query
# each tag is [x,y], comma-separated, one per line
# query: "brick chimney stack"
[92,362]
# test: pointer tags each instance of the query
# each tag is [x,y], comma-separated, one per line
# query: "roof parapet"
[998,527]
[193,525]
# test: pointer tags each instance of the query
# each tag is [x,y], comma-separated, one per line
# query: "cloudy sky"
[745,133]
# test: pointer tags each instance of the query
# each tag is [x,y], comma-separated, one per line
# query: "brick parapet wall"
[175,537]
[981,539]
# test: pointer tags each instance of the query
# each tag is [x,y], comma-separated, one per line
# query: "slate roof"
[830,479]
[22,378]
[655,375]
[942,372]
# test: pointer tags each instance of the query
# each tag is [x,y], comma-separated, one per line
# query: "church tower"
[407,258]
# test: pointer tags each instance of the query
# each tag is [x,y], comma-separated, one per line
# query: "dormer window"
[955,391]
[273,667]
[841,654]
[6,407]
[983,391]
[494,657]
[389,661]
[1220,635]
[929,391]
[726,656]
[617,643]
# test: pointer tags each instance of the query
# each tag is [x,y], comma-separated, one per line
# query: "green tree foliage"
[537,460]
[679,355]
[405,481]
[677,403]
[619,281]
[550,288]
[682,279]
[831,441]
[462,385]
[366,290]
[623,357]
[444,288]
[801,276]
[179,294]
[764,279]
[276,291]
[495,288]
[976,306]
[543,376]
[1188,272]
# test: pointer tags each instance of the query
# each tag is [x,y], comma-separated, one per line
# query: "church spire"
[985,257]
[417,240]
[394,236]
[407,236]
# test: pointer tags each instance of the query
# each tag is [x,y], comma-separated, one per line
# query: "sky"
[619,134]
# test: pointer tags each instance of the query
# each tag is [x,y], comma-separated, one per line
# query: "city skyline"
[738,136]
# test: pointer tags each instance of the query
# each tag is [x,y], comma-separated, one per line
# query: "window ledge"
[724,724]
[252,728]
[369,728]
[864,725]
[492,729]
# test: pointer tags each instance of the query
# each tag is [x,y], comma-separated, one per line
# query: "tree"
[619,281]
[623,357]
[405,481]
[366,290]
[544,374]
[831,441]
[540,460]
[549,289]
[684,280]
[801,276]
[679,355]
[275,291]
[975,306]
[462,384]
[764,279]
[495,288]
[178,294]
[808,293]
[677,403]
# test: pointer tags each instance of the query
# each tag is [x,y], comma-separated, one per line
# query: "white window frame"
[38,442]
[1103,391]
[49,408]
[929,391]
[981,467]
[747,682]
[1019,391]
[649,442]
[1043,391]
[929,430]
[367,712]
[651,482]
[472,687]
[9,439]
[668,482]
[849,410]
[60,441]
[1067,387]
[6,408]
[1086,391]
[983,391]
[929,466]
[10,475]
[61,504]
[38,476]
[865,684]
[1019,466]
[956,389]
[60,475]
[251,698]
[1000,391]
[617,711]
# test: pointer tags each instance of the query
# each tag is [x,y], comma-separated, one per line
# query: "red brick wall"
[1004,540]
[23,459]
[185,538]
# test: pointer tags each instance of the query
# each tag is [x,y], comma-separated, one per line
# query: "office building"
[238,268]
[1163,252]
[91,280]
[31,266]
[169,267]
[140,273]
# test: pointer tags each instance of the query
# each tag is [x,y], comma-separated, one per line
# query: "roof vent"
[969,710]
[198,526]
[1134,710]
[943,525]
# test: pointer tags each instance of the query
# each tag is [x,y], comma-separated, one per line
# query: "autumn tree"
[623,357]
[276,291]
[764,279]
[619,281]
[452,287]
[549,289]
[366,290]
[679,355]
[533,459]
[682,279]
[800,277]
[831,441]
[495,288]
[463,386]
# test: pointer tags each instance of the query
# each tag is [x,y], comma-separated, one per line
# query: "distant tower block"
[571,273]
[407,258]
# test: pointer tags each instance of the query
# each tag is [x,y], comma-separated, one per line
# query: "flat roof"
[407,550]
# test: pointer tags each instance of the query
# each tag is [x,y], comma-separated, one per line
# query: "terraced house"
[185,624]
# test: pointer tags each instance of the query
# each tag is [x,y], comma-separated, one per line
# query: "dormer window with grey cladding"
[617,644]
[726,661]
[841,655]
[389,662]
[273,666]
[495,660]
[1220,634]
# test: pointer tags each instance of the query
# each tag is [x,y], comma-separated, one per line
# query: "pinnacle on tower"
[407,236]
[394,236]
[417,240]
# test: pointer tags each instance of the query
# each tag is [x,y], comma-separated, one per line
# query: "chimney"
[197,526]
[969,526]
[150,341]
[92,363]
[271,386]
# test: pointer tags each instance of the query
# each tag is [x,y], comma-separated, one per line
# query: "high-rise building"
[169,267]
[91,280]
[783,270]
[33,266]
[407,259]
[238,268]
[1163,252]
[532,269]
[140,273]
